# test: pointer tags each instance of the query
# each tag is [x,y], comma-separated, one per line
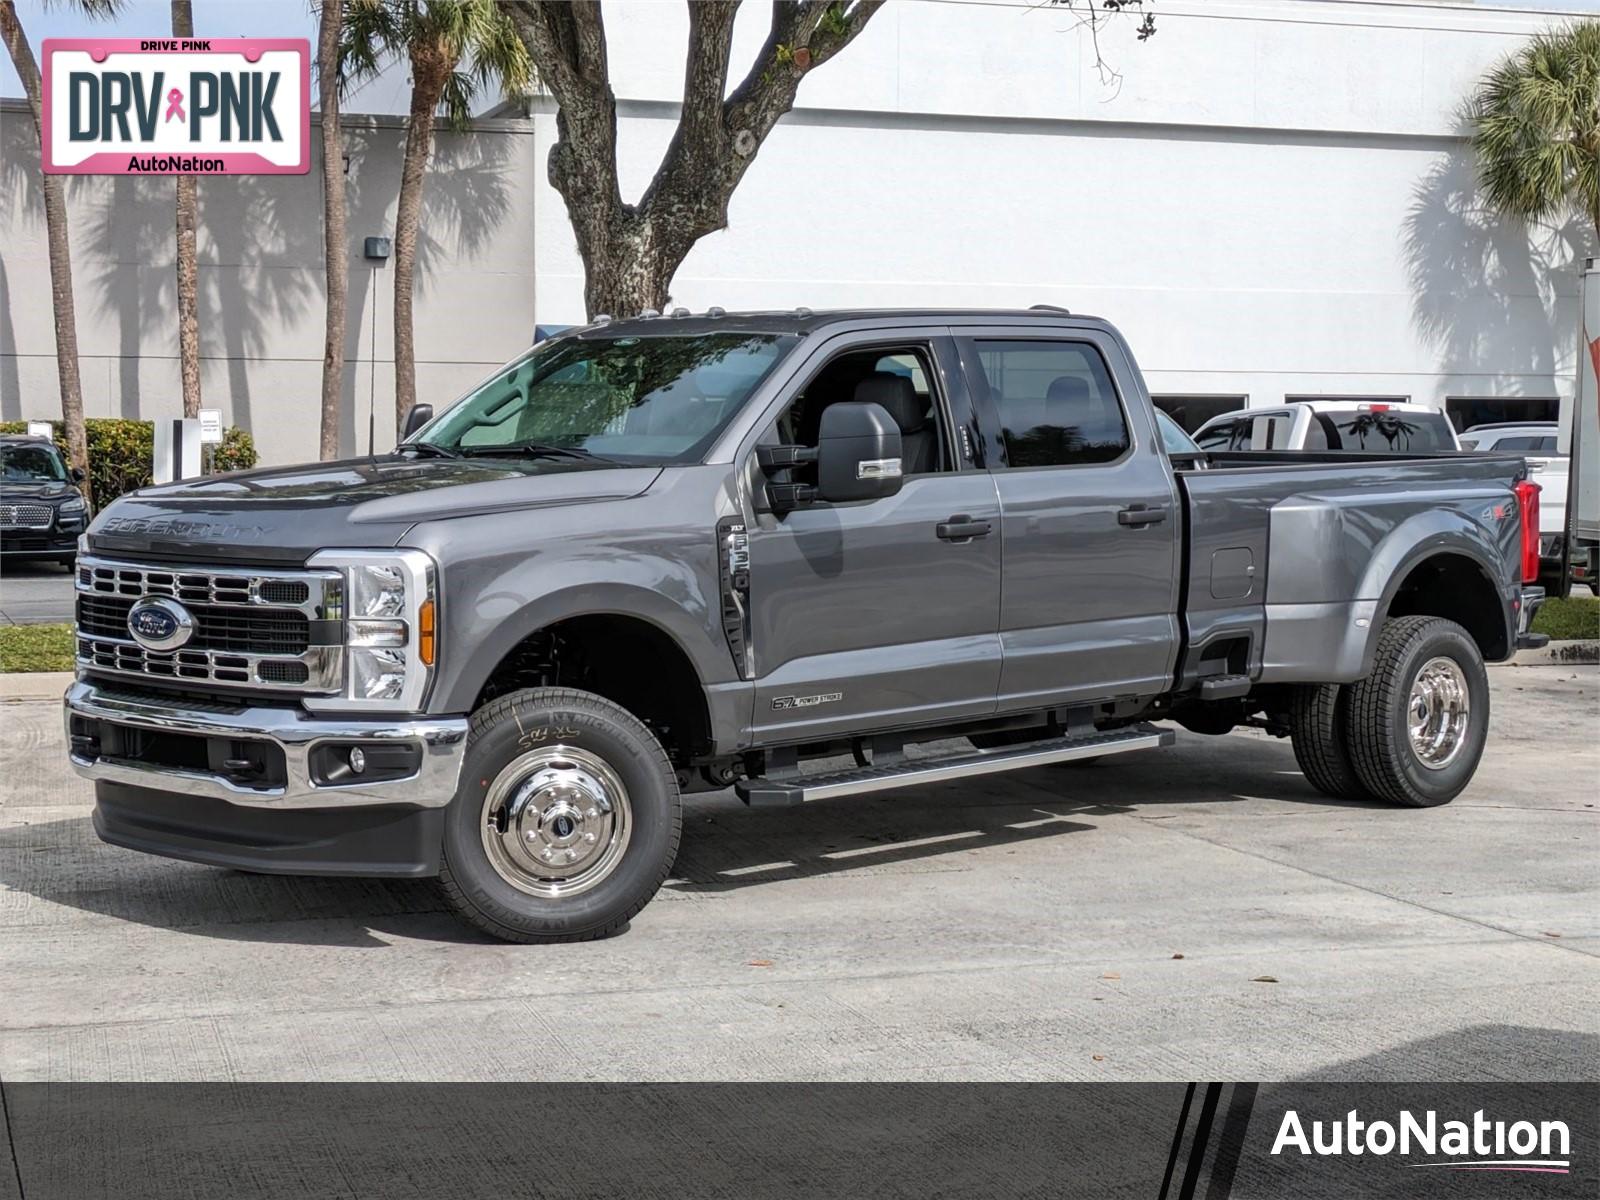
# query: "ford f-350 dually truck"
[692,552]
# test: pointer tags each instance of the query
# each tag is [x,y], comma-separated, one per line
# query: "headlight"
[387,603]
[74,507]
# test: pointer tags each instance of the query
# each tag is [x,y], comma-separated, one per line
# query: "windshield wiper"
[431,448]
[541,450]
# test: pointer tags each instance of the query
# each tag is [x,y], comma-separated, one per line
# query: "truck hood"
[13,490]
[288,513]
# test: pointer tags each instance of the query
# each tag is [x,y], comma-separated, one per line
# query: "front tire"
[1417,725]
[566,821]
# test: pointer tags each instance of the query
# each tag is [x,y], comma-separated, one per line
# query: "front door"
[1090,519]
[882,613]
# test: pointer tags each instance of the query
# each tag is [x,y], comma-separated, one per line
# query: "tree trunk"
[335,250]
[628,270]
[56,233]
[427,86]
[188,267]
[631,251]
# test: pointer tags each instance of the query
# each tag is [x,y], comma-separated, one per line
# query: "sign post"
[177,450]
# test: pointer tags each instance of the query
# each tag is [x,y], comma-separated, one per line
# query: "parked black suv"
[41,510]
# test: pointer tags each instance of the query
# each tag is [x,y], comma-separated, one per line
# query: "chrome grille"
[252,628]
[24,516]
[217,627]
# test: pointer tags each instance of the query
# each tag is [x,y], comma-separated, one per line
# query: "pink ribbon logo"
[175,106]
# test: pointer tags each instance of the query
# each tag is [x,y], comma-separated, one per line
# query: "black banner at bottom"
[1153,1141]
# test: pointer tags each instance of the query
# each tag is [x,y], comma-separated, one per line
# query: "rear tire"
[1318,717]
[1417,725]
[566,820]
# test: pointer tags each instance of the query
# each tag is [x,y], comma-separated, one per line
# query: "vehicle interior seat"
[919,442]
[1069,403]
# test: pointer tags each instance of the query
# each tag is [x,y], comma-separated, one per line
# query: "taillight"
[1528,509]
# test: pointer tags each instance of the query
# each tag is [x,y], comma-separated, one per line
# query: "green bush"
[1575,618]
[120,453]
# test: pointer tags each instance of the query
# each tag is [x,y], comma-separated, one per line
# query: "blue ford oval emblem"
[157,623]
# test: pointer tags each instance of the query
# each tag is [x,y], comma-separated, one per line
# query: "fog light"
[358,760]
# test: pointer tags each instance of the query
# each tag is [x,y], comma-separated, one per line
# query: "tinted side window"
[1055,403]
[1225,435]
[1528,442]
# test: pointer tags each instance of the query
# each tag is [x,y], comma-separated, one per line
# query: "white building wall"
[1273,200]
[261,294]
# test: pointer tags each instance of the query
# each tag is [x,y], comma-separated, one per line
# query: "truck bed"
[1295,555]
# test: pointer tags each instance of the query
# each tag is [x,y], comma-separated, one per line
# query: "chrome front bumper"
[441,741]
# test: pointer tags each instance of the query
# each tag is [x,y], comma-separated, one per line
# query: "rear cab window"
[1386,431]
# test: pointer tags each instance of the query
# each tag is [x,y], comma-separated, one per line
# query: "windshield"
[655,399]
[33,464]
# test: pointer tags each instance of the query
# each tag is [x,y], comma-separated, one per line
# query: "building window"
[1466,411]
[1191,412]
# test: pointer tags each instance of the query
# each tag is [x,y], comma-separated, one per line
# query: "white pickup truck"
[1379,427]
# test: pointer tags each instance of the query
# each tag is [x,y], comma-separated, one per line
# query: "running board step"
[798,789]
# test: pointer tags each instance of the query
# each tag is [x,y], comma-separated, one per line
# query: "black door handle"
[1141,514]
[962,528]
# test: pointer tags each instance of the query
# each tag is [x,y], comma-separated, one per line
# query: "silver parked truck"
[803,555]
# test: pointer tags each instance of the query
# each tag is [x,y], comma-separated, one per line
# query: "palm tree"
[56,234]
[454,49]
[187,204]
[334,224]
[1536,127]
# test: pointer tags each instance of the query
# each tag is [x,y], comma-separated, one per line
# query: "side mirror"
[78,475]
[858,453]
[419,416]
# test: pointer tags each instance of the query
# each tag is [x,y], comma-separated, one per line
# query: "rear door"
[1091,520]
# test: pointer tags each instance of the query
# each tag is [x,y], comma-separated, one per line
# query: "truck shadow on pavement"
[726,847]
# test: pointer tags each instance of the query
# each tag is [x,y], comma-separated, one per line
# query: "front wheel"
[566,820]
[1417,725]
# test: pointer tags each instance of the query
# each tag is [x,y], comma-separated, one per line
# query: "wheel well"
[1454,587]
[628,661]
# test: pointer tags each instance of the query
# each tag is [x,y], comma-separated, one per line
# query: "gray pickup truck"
[773,552]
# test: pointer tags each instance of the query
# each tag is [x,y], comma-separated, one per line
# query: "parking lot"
[35,594]
[1194,913]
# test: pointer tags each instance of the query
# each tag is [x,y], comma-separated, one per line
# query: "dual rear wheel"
[1411,732]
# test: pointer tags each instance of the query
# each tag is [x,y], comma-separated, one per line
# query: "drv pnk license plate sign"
[171,106]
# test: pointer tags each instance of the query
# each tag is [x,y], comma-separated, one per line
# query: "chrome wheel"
[1438,712]
[556,821]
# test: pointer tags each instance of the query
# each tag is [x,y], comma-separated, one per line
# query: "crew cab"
[766,551]
[1377,427]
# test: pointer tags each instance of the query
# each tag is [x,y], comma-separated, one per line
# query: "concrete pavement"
[35,594]
[1193,913]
